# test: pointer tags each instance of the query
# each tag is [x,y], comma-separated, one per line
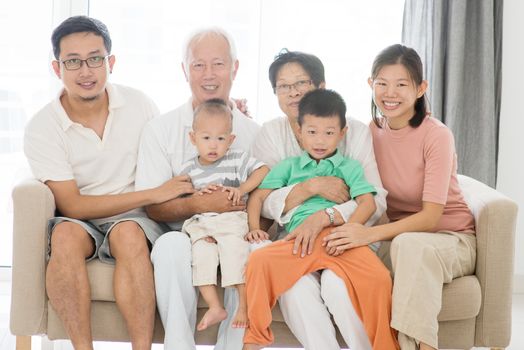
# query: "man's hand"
[306,233]
[256,236]
[329,187]
[216,202]
[173,188]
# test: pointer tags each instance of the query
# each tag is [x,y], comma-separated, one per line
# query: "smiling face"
[211,71]
[321,135]
[290,74]
[212,136]
[83,84]
[395,94]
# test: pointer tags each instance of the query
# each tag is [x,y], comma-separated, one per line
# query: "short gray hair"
[200,34]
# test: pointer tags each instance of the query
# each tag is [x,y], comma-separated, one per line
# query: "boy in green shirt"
[322,124]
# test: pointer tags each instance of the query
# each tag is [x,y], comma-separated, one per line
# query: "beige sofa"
[476,309]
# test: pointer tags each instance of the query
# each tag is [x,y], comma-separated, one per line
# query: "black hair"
[214,106]
[322,103]
[311,64]
[409,58]
[79,24]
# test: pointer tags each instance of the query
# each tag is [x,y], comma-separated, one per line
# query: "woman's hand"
[347,236]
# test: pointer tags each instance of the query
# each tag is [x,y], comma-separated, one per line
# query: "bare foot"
[252,347]
[240,320]
[212,316]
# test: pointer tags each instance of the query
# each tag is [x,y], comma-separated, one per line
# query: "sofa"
[476,309]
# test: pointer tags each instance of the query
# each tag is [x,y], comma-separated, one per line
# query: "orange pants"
[274,269]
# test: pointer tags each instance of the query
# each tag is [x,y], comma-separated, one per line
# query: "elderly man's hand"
[216,202]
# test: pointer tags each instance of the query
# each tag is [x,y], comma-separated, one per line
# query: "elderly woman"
[307,307]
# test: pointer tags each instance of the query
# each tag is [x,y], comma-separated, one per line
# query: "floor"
[7,341]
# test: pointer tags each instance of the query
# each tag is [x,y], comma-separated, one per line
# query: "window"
[26,84]
[148,37]
[346,35]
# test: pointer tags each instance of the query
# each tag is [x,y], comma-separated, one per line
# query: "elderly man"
[210,66]
[83,145]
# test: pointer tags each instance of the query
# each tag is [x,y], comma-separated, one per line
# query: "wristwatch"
[331,214]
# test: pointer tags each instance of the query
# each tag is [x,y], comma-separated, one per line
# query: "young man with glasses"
[83,146]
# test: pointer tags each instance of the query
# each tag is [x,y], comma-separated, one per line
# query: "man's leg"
[176,296]
[335,295]
[67,284]
[133,281]
[307,316]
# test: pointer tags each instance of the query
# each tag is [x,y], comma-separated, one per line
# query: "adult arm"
[71,203]
[352,235]
[180,209]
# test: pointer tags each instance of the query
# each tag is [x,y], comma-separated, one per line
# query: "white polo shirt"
[59,149]
[276,141]
[165,145]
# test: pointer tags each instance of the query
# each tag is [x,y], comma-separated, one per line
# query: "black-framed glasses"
[300,86]
[76,63]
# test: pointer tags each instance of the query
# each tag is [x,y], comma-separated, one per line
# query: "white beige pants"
[230,251]
[421,263]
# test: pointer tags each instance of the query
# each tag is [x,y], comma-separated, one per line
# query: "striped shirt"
[231,170]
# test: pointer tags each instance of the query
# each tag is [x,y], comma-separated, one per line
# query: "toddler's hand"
[208,189]
[256,236]
[234,194]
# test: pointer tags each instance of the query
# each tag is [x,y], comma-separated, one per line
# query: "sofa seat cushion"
[101,280]
[461,299]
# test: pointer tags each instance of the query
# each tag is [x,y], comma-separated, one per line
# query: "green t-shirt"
[294,170]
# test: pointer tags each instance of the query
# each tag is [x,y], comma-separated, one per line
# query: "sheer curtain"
[147,40]
[346,35]
[26,84]
[460,44]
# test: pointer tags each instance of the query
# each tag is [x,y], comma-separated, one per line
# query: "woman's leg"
[422,263]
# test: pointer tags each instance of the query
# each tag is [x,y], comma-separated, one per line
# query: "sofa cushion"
[460,299]
[101,280]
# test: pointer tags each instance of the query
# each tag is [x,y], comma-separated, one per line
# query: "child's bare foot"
[252,347]
[212,316]
[240,320]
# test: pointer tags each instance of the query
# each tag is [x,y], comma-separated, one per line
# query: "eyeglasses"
[300,86]
[76,63]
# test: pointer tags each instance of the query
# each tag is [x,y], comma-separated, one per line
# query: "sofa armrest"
[495,218]
[33,205]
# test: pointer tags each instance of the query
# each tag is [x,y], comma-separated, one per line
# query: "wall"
[511,141]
